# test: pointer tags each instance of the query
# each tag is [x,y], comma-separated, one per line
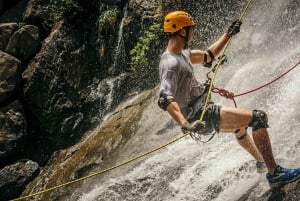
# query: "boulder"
[10,77]
[6,30]
[24,43]
[15,177]
[12,130]
[38,13]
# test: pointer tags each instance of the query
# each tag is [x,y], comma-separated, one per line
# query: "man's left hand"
[234,28]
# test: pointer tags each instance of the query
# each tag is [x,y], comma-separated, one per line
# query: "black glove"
[193,127]
[234,28]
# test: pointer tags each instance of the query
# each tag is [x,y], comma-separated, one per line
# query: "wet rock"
[289,192]
[24,43]
[12,10]
[6,30]
[39,14]
[56,85]
[71,123]
[12,130]
[15,177]
[91,152]
[49,93]
[10,76]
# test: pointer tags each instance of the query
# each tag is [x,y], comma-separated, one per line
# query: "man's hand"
[193,127]
[234,28]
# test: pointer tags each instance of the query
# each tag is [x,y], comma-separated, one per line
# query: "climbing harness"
[198,136]
[153,150]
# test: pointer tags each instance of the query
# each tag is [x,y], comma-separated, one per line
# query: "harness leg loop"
[240,135]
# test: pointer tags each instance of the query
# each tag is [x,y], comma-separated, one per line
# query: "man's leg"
[262,142]
[247,143]
[234,118]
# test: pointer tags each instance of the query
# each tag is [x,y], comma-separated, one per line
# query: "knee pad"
[259,120]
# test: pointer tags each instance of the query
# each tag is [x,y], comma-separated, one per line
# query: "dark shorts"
[211,117]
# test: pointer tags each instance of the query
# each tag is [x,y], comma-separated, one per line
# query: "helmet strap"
[186,37]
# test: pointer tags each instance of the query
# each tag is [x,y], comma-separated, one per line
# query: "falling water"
[106,92]
[219,170]
[119,57]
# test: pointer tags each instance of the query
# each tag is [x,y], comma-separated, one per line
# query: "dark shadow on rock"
[277,194]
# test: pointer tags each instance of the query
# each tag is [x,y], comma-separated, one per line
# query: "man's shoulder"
[169,61]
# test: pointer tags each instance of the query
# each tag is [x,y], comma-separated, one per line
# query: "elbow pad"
[164,101]
[212,57]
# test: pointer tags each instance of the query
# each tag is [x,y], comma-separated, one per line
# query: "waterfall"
[106,91]
[220,170]
[120,56]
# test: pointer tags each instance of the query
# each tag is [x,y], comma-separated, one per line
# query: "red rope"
[225,93]
[231,95]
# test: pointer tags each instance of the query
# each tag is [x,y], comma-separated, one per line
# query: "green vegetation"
[106,24]
[63,8]
[21,24]
[108,17]
[142,48]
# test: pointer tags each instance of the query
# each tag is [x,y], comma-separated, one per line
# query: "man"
[183,96]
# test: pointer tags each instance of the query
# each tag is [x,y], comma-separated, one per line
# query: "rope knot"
[225,93]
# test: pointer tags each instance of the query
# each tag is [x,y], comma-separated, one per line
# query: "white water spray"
[119,57]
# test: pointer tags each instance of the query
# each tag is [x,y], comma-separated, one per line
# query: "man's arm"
[197,56]
[174,110]
[186,127]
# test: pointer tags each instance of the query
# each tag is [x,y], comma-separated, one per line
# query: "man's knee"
[259,120]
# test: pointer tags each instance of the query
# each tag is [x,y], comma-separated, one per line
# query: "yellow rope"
[146,153]
[219,64]
[102,171]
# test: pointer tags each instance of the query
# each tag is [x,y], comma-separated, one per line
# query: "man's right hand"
[193,127]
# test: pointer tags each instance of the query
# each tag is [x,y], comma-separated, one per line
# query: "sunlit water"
[220,170]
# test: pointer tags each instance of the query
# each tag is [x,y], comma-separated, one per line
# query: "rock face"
[6,30]
[24,43]
[56,58]
[10,76]
[13,178]
[102,142]
[12,130]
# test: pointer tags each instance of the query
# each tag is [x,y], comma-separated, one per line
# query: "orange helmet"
[176,20]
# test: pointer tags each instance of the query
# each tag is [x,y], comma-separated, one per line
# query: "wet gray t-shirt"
[178,80]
